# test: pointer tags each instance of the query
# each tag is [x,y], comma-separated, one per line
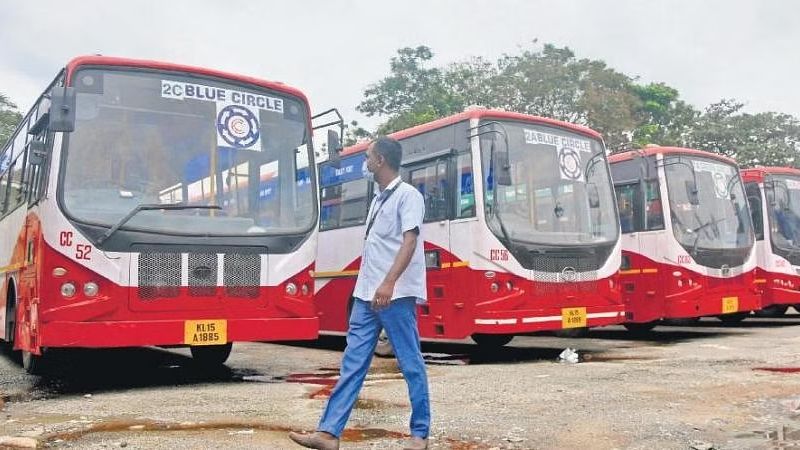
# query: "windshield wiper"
[150,207]
[703,226]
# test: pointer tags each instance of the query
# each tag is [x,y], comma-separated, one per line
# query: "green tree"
[769,138]
[664,118]
[9,119]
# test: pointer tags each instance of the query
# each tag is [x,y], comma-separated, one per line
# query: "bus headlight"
[304,289]
[494,287]
[291,289]
[67,290]
[90,289]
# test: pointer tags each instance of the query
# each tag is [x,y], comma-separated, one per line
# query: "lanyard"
[372,220]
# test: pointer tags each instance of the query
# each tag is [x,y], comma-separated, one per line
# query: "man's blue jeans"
[399,319]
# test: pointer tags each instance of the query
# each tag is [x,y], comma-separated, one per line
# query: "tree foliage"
[9,119]
[550,81]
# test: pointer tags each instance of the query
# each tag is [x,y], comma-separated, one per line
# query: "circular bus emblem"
[569,275]
[720,185]
[726,270]
[238,126]
[569,161]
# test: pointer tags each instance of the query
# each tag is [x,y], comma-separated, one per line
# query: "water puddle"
[778,369]
[245,427]
[588,357]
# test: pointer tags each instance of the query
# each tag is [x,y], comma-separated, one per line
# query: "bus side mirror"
[62,109]
[691,192]
[334,146]
[36,152]
[502,169]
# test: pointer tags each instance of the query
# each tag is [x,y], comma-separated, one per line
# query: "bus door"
[432,177]
[641,221]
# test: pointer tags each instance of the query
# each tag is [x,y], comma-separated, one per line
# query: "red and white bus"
[521,230]
[774,197]
[687,238]
[146,203]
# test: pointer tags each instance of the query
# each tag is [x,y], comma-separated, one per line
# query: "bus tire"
[384,347]
[34,364]
[733,318]
[11,325]
[640,328]
[492,340]
[211,355]
[772,311]
[572,332]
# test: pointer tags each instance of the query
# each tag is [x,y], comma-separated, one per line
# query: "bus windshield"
[707,204]
[165,138]
[783,200]
[558,189]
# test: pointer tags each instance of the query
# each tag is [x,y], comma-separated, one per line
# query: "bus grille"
[160,274]
[556,264]
[242,274]
[553,275]
[203,274]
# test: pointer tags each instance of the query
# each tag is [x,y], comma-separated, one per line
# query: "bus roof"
[648,151]
[758,173]
[477,114]
[75,63]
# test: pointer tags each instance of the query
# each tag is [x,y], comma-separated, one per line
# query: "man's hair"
[390,149]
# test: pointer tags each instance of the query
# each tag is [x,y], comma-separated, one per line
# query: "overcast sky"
[332,50]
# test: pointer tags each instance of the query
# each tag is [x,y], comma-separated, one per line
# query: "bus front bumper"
[100,334]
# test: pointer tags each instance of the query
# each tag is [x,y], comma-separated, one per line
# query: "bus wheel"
[211,355]
[572,332]
[772,311]
[492,340]
[733,317]
[34,364]
[11,327]
[640,328]
[384,347]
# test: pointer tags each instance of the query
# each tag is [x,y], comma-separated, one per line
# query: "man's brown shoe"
[318,439]
[416,443]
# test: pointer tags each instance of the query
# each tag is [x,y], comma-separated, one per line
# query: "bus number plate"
[573,317]
[205,332]
[730,305]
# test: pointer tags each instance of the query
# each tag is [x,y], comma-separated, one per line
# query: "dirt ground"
[704,386]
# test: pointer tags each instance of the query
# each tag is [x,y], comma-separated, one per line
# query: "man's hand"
[383,295]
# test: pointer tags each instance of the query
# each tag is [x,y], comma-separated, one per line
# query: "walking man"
[391,281]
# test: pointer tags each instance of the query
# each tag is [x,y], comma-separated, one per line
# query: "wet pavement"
[482,398]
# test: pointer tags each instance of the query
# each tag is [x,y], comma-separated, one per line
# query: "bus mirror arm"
[334,139]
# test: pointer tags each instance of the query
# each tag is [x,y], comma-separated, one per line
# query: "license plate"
[205,332]
[573,317]
[730,305]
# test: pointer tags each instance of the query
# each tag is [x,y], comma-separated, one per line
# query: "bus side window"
[756,209]
[344,205]
[465,192]
[431,181]
[630,208]
[654,212]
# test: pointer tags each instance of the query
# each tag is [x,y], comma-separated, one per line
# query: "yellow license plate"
[573,317]
[730,305]
[205,332]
